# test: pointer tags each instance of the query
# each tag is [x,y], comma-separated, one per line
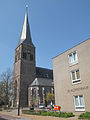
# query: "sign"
[56,107]
[78,89]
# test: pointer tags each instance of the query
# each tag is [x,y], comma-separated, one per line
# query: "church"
[30,83]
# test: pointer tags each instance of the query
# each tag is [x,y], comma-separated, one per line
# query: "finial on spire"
[26,7]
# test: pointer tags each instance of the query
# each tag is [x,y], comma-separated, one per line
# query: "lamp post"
[19,104]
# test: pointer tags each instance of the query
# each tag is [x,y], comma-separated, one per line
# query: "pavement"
[12,115]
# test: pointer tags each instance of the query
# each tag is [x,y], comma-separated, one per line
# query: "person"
[51,105]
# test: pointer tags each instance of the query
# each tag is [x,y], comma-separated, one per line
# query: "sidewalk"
[35,117]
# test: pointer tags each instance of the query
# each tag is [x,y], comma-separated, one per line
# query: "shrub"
[85,115]
[49,113]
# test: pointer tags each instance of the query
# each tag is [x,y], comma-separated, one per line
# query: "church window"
[47,75]
[34,93]
[24,55]
[31,88]
[52,90]
[43,88]
[15,89]
[31,57]
[16,58]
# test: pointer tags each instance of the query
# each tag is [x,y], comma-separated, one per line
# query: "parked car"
[31,108]
[50,107]
[42,106]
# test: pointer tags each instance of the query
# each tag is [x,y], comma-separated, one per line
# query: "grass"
[85,116]
[49,113]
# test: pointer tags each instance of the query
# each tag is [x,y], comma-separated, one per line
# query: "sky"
[55,25]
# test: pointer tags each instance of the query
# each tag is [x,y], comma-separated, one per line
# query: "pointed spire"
[25,36]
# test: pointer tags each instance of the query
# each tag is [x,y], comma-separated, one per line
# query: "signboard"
[56,107]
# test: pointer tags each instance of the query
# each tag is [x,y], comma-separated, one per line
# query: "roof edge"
[71,48]
[44,68]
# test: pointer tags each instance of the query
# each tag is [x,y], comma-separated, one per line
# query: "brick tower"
[24,66]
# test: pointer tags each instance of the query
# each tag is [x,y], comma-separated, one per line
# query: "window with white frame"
[79,103]
[73,58]
[75,76]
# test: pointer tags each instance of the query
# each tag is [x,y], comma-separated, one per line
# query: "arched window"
[24,55]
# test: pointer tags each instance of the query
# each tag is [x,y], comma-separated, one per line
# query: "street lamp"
[19,104]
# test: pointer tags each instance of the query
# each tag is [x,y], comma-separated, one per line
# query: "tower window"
[16,58]
[24,55]
[31,57]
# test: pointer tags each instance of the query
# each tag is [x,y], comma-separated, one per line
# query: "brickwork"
[24,73]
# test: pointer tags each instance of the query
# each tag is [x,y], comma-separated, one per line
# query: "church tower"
[24,66]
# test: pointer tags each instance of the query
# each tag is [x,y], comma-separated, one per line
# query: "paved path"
[10,117]
[7,117]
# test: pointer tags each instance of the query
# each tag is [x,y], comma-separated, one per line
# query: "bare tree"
[6,87]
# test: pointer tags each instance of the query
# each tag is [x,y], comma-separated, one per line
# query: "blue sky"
[56,25]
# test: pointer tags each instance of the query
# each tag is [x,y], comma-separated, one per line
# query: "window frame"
[79,107]
[73,61]
[76,80]
[31,57]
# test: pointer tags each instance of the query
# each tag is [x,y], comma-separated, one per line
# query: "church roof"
[44,73]
[42,82]
[25,36]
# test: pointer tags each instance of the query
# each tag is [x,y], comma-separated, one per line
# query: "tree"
[6,87]
[1,93]
[50,97]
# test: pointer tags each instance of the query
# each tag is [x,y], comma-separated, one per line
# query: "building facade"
[71,71]
[25,70]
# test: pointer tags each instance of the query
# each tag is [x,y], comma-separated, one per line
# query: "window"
[24,55]
[16,58]
[43,88]
[31,57]
[34,93]
[79,103]
[46,75]
[75,76]
[52,90]
[73,58]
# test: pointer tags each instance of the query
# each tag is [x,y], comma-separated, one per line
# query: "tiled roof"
[42,82]
[44,73]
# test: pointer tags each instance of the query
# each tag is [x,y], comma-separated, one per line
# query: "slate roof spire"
[25,36]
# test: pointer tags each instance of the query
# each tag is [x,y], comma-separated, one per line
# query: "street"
[9,117]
